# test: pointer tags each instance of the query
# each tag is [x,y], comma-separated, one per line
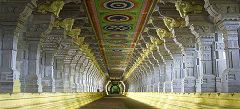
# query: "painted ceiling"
[117,25]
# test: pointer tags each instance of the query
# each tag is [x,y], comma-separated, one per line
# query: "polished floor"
[116,102]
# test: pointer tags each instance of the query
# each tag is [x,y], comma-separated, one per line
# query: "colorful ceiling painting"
[117,25]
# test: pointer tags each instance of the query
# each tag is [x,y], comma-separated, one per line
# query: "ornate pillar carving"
[34,79]
[66,77]
[59,74]
[177,72]
[9,76]
[189,80]
[231,75]
[169,75]
[48,80]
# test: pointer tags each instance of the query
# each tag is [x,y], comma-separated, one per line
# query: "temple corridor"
[116,102]
[119,54]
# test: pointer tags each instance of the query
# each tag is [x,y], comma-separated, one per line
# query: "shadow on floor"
[117,102]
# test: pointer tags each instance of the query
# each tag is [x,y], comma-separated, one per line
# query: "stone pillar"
[169,75]
[66,78]
[22,65]
[34,79]
[231,75]
[9,76]
[81,78]
[206,79]
[189,80]
[219,63]
[177,73]
[72,77]
[59,75]
[77,78]
[48,80]
[162,76]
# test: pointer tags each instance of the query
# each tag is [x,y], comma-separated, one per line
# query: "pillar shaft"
[9,76]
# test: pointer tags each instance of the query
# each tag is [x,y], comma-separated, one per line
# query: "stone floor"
[117,102]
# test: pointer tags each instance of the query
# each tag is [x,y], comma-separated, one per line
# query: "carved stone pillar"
[161,77]
[219,62]
[48,80]
[59,75]
[206,79]
[177,73]
[34,79]
[22,63]
[231,75]
[81,78]
[169,75]
[66,78]
[77,78]
[9,76]
[72,77]
[189,80]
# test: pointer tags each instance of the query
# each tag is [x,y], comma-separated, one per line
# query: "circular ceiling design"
[117,35]
[117,50]
[118,18]
[117,28]
[117,41]
[118,5]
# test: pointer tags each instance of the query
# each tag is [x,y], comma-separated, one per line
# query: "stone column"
[189,80]
[161,77]
[34,79]
[22,64]
[48,80]
[81,78]
[77,78]
[66,78]
[59,75]
[206,79]
[72,77]
[169,75]
[231,75]
[9,76]
[177,73]
[219,62]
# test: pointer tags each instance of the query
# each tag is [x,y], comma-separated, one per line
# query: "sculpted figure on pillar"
[163,33]
[185,7]
[54,7]
[171,23]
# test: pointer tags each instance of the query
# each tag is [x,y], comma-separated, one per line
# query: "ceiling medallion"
[117,50]
[118,18]
[117,41]
[117,28]
[118,35]
[118,5]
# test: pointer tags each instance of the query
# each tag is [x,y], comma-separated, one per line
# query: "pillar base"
[66,86]
[231,80]
[47,86]
[77,85]
[176,85]
[6,87]
[218,84]
[206,83]
[167,86]
[160,87]
[59,86]
[188,85]
[32,87]
[33,84]
[73,87]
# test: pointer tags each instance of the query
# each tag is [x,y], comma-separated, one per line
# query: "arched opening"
[115,87]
